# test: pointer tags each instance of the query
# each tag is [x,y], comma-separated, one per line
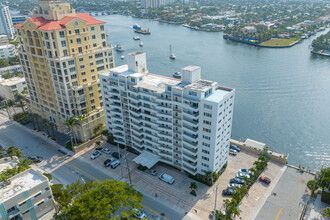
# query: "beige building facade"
[61,53]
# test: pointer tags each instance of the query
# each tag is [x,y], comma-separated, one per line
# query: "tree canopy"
[96,200]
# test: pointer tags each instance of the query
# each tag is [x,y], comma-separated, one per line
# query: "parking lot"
[178,194]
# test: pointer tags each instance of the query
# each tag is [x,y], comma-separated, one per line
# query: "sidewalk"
[314,210]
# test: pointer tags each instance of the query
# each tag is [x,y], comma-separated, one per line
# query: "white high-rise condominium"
[185,123]
[6,24]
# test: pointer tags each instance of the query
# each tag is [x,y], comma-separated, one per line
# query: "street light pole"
[121,167]
[215,202]
[129,175]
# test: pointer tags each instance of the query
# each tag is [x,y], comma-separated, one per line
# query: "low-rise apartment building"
[11,69]
[26,195]
[7,50]
[185,123]
[4,39]
[9,87]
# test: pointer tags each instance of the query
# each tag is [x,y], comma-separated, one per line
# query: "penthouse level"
[185,123]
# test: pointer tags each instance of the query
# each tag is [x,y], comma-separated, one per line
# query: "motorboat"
[177,75]
[119,48]
[141,44]
[122,57]
[172,55]
[136,38]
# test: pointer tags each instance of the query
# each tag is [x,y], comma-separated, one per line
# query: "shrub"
[193,192]
[325,196]
[48,175]
[98,148]
[69,145]
[105,132]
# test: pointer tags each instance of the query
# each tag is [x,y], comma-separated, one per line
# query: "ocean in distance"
[282,95]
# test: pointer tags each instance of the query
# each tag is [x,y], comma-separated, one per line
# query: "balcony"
[166,159]
[164,146]
[164,141]
[193,136]
[190,163]
[189,157]
[165,153]
[191,121]
[191,129]
[190,170]
[139,137]
[166,135]
[164,127]
[190,150]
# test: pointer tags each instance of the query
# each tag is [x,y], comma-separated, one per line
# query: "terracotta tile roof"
[44,24]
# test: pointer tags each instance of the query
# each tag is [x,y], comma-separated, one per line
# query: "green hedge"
[325,197]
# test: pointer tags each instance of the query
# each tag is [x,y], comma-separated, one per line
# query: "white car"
[96,154]
[232,185]
[166,178]
[241,175]
[106,150]
[115,164]
[232,152]
[139,214]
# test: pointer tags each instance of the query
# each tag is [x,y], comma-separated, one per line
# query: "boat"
[172,55]
[136,38]
[122,57]
[141,44]
[137,29]
[119,48]
[177,75]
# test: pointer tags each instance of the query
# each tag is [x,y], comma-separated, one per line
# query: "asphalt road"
[288,197]
[64,169]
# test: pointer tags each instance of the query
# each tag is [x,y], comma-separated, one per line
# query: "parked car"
[116,155]
[237,180]
[115,164]
[228,192]
[245,171]
[166,178]
[35,159]
[232,152]
[233,185]
[234,147]
[108,162]
[106,150]
[139,214]
[151,171]
[241,175]
[265,179]
[96,154]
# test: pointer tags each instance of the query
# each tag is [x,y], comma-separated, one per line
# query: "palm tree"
[14,151]
[193,186]
[52,125]
[11,103]
[19,99]
[36,117]
[31,118]
[71,123]
[45,122]
[97,128]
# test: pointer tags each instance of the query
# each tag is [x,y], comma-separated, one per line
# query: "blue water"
[282,95]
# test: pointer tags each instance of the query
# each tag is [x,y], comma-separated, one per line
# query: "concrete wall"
[282,159]
[87,144]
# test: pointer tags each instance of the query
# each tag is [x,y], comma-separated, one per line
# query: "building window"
[206,137]
[205,165]
[92,28]
[63,43]
[208,106]
[205,158]
[77,31]
[207,114]
[206,152]
[192,93]
[62,34]
[102,27]
[71,62]
[78,41]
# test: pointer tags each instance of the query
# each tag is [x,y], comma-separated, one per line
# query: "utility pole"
[121,167]
[129,174]
[215,202]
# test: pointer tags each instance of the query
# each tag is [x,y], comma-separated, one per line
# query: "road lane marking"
[78,168]
[70,174]
[155,212]
[7,136]
[278,214]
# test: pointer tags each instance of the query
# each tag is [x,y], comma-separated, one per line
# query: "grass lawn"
[279,42]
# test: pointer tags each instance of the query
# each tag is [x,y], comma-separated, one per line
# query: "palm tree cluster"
[194,188]
[73,123]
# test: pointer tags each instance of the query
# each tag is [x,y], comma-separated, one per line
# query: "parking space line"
[156,212]
[278,214]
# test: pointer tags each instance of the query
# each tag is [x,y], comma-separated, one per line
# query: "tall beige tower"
[62,52]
